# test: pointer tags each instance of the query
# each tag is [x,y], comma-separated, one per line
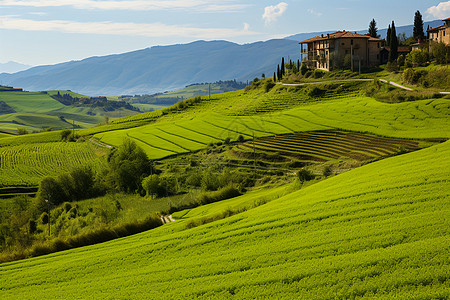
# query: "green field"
[27,164]
[191,130]
[36,111]
[378,232]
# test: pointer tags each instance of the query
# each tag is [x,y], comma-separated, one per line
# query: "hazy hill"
[407,29]
[12,67]
[158,68]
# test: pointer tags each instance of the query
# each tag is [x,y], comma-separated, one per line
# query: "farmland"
[35,111]
[26,165]
[378,232]
[193,129]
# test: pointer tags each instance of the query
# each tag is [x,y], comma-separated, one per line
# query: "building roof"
[448,19]
[338,35]
[436,28]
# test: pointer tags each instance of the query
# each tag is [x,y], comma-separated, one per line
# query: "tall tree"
[418,33]
[278,72]
[282,67]
[373,30]
[393,53]
[388,36]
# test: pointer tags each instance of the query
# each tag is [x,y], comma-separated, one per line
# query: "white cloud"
[204,5]
[313,12]
[273,12]
[246,27]
[130,29]
[442,10]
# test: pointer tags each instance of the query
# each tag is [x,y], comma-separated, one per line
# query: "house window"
[378,45]
[343,44]
[351,42]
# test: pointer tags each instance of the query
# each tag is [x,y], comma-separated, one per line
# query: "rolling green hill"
[378,232]
[37,111]
[193,124]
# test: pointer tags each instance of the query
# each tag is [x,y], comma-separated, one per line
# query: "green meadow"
[375,227]
[377,232]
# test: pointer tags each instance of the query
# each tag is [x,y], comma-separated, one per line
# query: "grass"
[27,102]
[377,232]
[192,130]
[25,165]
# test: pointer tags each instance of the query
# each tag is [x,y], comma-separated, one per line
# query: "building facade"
[440,34]
[334,50]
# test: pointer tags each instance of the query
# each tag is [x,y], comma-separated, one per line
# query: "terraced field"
[378,232]
[25,165]
[326,145]
[193,131]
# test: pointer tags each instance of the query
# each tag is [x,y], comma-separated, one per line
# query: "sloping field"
[25,165]
[192,130]
[331,144]
[378,232]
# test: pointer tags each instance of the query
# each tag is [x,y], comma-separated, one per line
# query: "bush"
[304,175]
[318,73]
[303,68]
[222,194]
[316,92]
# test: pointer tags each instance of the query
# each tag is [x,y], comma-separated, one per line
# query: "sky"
[40,32]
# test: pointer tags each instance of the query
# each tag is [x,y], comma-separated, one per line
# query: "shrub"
[318,73]
[222,194]
[51,190]
[304,175]
[303,68]
[316,92]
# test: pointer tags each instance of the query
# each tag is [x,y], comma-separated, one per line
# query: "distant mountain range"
[12,67]
[165,68]
[407,29]
[158,68]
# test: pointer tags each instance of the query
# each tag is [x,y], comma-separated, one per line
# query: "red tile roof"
[338,35]
[436,28]
[448,19]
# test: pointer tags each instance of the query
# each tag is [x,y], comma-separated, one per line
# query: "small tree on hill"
[373,30]
[418,33]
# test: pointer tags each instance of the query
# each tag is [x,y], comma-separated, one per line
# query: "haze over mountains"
[163,68]
[158,68]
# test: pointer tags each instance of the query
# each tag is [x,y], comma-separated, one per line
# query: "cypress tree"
[373,30]
[388,36]
[278,72]
[418,33]
[282,66]
[274,77]
[298,64]
[393,53]
[428,34]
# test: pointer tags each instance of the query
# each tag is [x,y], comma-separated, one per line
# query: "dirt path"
[93,141]
[167,219]
[396,84]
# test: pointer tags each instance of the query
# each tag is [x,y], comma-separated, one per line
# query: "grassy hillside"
[27,164]
[377,232]
[35,111]
[196,123]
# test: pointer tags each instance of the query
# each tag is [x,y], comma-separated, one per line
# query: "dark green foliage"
[316,92]
[65,134]
[128,166]
[51,190]
[153,186]
[303,68]
[268,85]
[32,226]
[418,33]
[393,52]
[240,139]
[441,53]
[283,67]
[388,36]
[278,73]
[327,171]
[44,218]
[304,175]
[318,74]
[373,30]
[22,131]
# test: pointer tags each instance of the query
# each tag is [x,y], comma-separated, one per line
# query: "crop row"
[332,144]
[376,232]
[27,164]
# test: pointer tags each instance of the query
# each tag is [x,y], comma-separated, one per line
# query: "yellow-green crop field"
[192,130]
[377,232]
[27,164]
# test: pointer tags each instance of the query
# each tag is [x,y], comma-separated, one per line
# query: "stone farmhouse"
[440,33]
[331,51]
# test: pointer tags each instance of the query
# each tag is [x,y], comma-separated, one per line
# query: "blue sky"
[38,32]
